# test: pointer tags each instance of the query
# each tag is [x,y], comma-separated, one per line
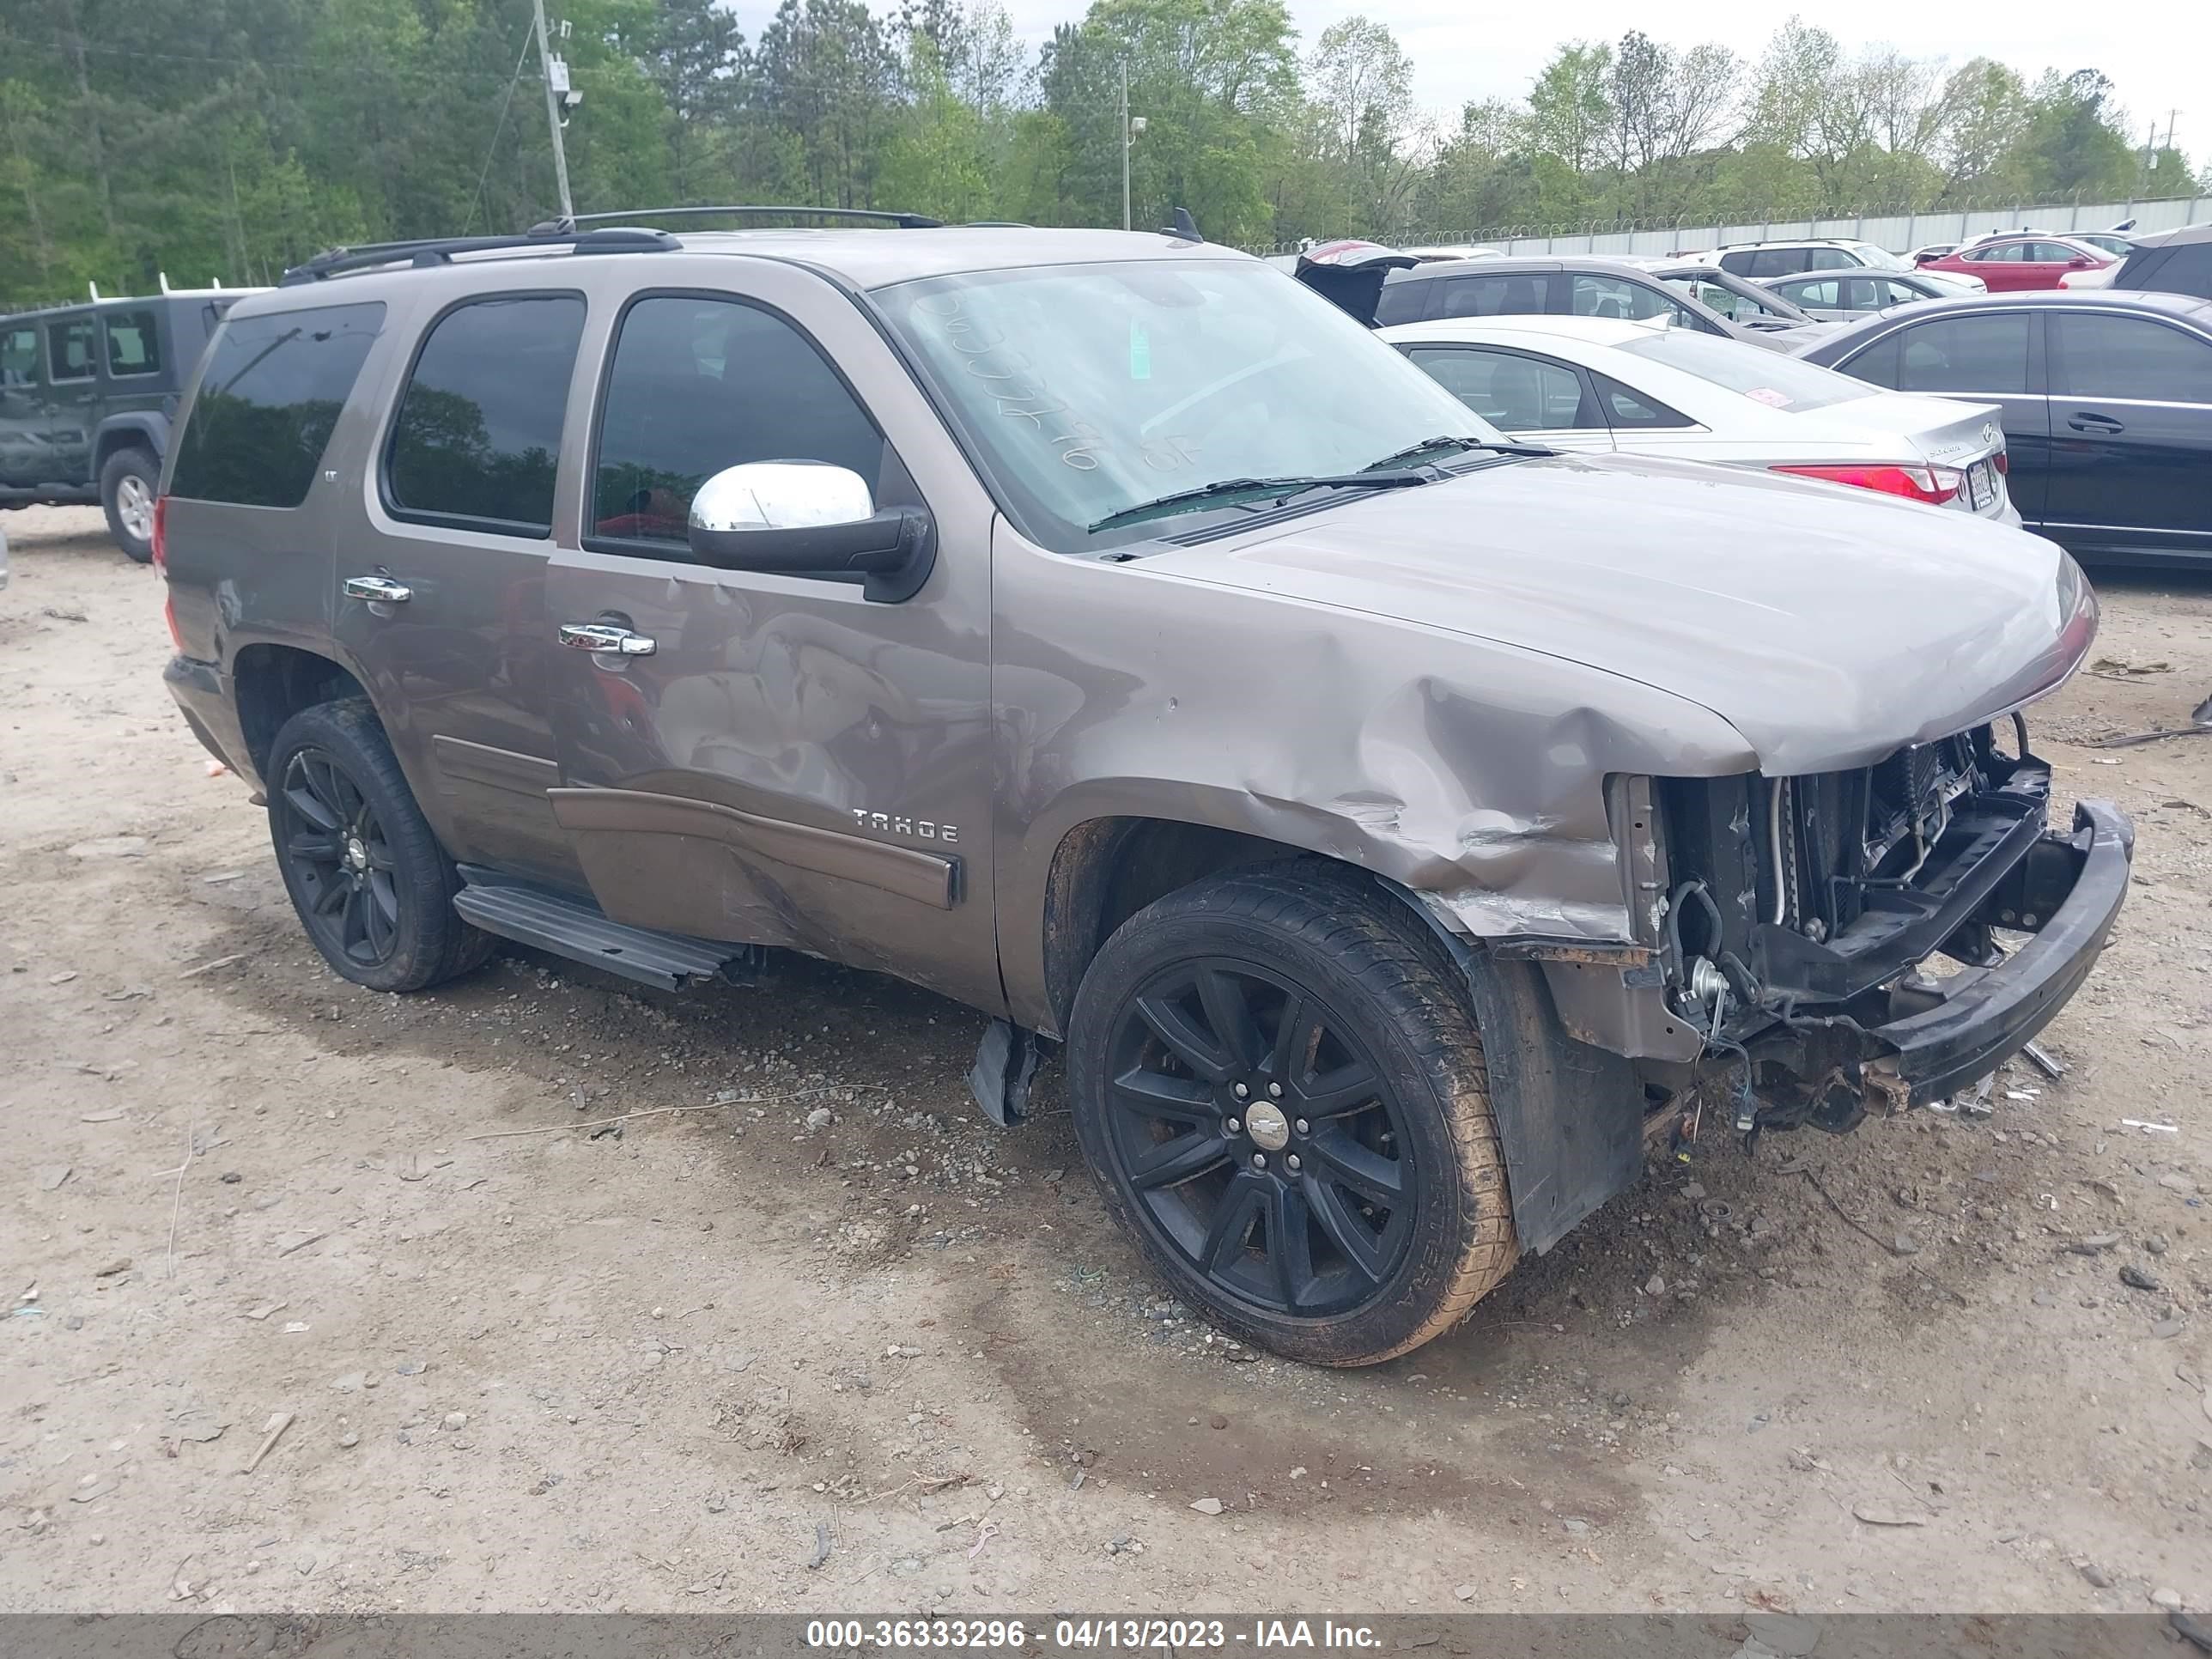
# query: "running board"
[577,929]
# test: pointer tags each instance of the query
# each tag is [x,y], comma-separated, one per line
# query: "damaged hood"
[1828,625]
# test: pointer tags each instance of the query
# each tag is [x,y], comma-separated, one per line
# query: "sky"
[2156,56]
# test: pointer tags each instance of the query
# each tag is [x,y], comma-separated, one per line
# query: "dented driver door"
[770,758]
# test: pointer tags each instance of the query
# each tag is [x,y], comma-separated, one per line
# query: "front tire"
[373,887]
[1279,1085]
[128,479]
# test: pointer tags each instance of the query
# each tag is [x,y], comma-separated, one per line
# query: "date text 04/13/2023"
[1081,1635]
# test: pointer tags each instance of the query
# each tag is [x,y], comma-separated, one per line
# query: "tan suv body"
[1398,826]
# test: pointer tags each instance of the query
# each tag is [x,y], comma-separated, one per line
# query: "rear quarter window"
[269,397]
[1402,302]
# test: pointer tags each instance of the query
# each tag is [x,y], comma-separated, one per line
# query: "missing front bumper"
[1961,1028]
[1919,1039]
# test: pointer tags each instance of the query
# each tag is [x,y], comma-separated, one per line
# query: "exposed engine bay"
[1856,939]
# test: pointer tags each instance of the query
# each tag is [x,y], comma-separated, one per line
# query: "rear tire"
[372,886]
[128,479]
[1279,1085]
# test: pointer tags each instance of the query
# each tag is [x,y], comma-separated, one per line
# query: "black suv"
[2178,262]
[87,393]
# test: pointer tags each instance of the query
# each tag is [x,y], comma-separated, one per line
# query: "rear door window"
[1618,297]
[698,384]
[267,398]
[70,347]
[133,347]
[1826,293]
[18,357]
[477,439]
[1517,293]
[1967,353]
[1829,258]
[1513,392]
[2128,357]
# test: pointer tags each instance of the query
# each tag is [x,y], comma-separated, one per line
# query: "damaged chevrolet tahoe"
[1397,826]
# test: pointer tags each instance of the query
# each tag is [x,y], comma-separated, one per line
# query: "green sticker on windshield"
[1141,352]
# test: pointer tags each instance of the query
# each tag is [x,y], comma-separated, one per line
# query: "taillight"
[2002,461]
[161,564]
[1933,484]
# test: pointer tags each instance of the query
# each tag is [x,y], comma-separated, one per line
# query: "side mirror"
[2079,262]
[809,518]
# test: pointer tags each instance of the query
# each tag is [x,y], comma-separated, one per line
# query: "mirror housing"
[811,518]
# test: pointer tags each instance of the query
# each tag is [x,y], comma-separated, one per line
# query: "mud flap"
[1005,1065]
[1570,1116]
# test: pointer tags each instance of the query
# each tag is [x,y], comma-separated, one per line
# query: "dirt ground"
[533,1359]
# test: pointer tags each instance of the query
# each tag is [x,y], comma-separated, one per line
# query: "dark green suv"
[87,393]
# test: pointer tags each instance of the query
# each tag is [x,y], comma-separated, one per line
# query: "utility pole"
[1125,143]
[545,62]
[1131,126]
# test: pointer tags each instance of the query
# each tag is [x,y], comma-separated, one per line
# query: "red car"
[2012,263]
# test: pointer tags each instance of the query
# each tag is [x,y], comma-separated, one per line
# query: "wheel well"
[1107,870]
[275,682]
[122,437]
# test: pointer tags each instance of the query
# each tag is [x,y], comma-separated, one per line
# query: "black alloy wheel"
[372,886]
[336,851]
[1278,1085]
[1260,1137]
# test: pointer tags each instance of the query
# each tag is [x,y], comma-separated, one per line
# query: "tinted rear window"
[478,434]
[267,398]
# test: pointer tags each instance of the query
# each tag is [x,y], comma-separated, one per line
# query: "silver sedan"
[1589,383]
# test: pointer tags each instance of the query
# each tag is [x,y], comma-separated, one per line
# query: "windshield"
[1765,377]
[1087,390]
[1880,258]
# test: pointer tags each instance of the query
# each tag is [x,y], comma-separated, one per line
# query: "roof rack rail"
[440,250]
[903,221]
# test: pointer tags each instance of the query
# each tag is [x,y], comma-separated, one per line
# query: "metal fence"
[1899,233]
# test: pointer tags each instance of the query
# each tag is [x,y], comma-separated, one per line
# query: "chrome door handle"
[605,637]
[380,589]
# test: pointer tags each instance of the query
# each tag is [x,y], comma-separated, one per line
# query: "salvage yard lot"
[577,1297]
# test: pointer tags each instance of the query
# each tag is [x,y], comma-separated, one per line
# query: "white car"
[1589,383]
[1762,261]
